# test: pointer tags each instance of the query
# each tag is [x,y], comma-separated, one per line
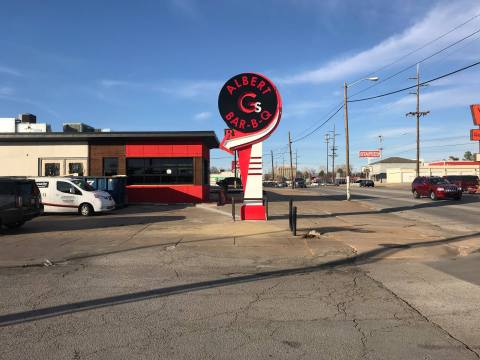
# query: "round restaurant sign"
[249,102]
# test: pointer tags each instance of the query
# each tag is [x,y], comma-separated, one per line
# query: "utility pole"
[334,153]
[380,140]
[327,140]
[347,143]
[296,162]
[273,168]
[418,114]
[235,168]
[291,160]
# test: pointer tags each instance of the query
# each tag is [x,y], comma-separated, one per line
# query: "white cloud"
[439,99]
[6,91]
[435,23]
[302,108]
[186,7]
[176,88]
[204,115]
[107,83]
[9,71]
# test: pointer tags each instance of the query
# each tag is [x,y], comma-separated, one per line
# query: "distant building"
[436,168]
[160,166]
[285,171]
[378,169]
[24,123]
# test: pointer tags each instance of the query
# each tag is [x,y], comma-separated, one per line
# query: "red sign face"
[248,102]
[475,109]
[370,154]
[475,134]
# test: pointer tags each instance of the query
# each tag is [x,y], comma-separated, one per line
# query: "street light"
[345,106]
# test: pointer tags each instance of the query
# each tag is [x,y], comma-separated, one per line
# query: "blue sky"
[159,65]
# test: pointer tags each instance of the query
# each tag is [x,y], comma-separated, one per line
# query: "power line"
[418,62]
[319,126]
[413,86]
[424,45]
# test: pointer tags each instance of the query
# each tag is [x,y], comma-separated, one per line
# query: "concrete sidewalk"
[340,229]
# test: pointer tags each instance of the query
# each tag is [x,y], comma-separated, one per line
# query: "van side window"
[65,187]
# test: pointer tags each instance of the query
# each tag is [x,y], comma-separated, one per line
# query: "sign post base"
[253,212]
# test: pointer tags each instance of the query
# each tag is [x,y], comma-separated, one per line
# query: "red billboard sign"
[475,134]
[370,154]
[475,109]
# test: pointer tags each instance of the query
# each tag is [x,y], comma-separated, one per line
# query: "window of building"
[75,168]
[160,171]
[52,169]
[110,166]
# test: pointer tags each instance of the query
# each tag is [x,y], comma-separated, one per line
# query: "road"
[461,216]
[159,282]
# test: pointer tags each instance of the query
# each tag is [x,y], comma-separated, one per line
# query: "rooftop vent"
[27,118]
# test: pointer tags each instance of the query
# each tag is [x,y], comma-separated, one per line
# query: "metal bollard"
[294,221]
[265,203]
[233,208]
[290,205]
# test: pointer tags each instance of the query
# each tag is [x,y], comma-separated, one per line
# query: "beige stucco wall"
[23,159]
[405,176]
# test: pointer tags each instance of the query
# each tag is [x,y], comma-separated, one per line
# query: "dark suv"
[435,187]
[19,201]
[300,183]
[465,182]
[230,183]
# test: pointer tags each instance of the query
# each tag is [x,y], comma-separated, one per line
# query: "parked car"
[300,183]
[269,184]
[435,187]
[366,183]
[19,201]
[231,183]
[72,195]
[281,184]
[465,182]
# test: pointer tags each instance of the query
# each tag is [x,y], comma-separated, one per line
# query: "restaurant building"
[162,167]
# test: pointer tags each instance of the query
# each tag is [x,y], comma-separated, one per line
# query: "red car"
[436,188]
[465,182]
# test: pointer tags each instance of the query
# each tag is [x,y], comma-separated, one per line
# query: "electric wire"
[422,47]
[319,126]
[414,86]
[381,81]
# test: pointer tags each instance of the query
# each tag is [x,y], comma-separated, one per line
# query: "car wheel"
[15,224]
[433,196]
[86,209]
[416,195]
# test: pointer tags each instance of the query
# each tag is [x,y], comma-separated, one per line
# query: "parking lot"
[188,282]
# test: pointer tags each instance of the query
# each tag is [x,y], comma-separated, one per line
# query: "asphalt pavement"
[159,282]
[452,215]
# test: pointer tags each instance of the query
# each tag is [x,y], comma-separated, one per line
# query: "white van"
[72,195]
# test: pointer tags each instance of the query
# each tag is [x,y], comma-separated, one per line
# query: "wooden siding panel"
[198,171]
[99,151]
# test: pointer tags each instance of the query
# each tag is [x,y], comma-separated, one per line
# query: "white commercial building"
[24,123]
[401,175]
[378,170]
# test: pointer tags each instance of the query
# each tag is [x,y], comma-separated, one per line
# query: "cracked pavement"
[152,290]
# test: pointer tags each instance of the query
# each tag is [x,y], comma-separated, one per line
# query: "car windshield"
[439,181]
[82,184]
